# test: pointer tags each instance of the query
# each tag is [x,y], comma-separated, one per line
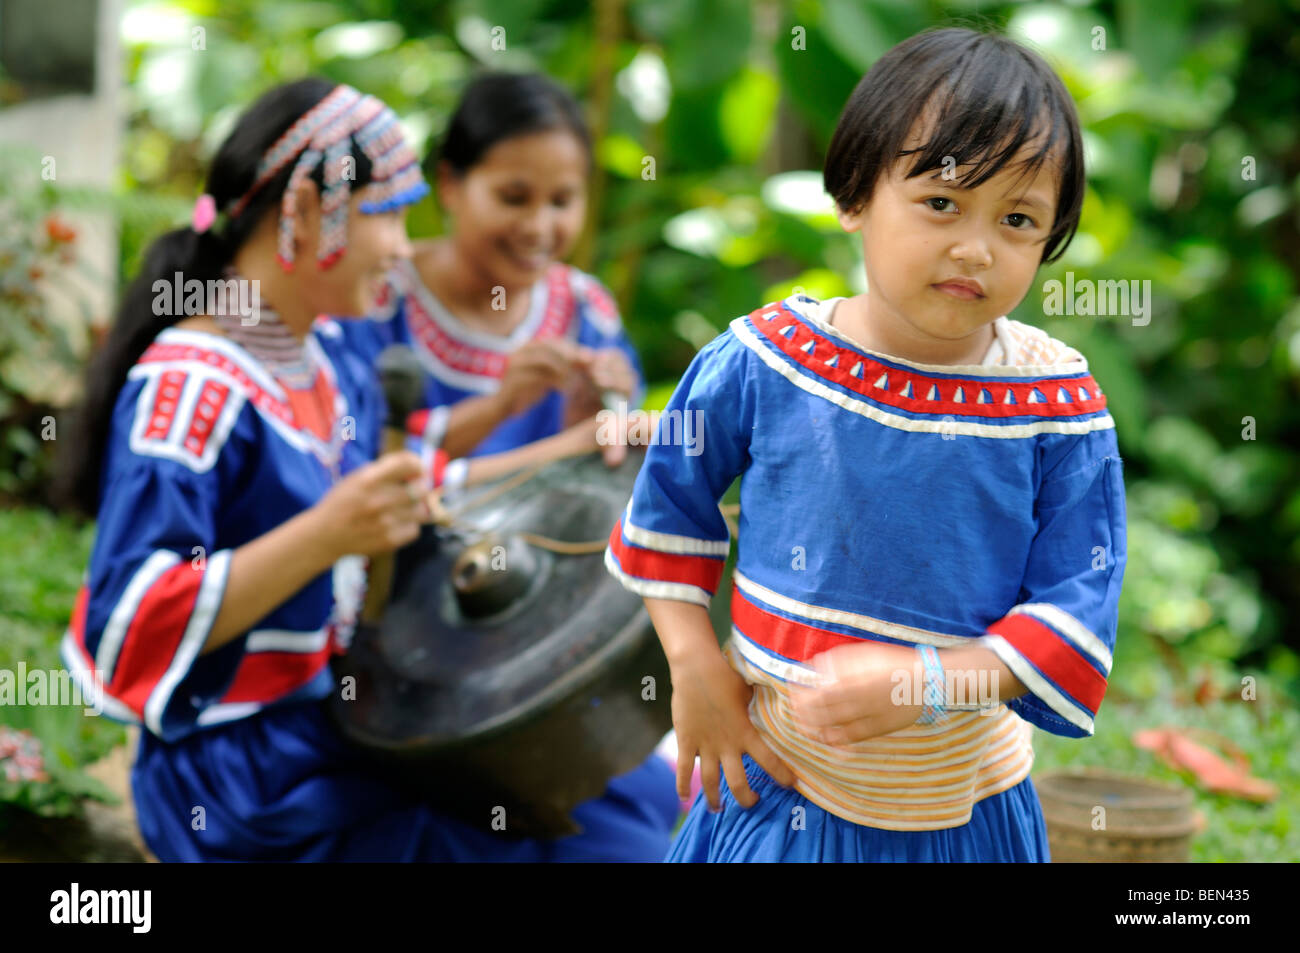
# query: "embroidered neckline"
[444,346]
[799,305]
[261,388]
[270,341]
[539,299]
[900,385]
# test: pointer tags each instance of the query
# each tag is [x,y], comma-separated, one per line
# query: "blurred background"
[711,120]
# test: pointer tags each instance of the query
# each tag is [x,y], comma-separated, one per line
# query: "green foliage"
[42,559]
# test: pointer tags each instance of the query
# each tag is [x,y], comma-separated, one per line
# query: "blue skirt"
[282,785]
[1005,827]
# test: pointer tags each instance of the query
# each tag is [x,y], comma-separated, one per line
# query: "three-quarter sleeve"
[672,542]
[157,574]
[1059,638]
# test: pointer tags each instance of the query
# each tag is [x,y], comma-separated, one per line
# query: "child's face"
[922,232]
[520,207]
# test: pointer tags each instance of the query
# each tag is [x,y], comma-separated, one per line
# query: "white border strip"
[866,623]
[69,652]
[128,604]
[286,640]
[759,657]
[1070,627]
[206,606]
[1020,666]
[670,542]
[654,589]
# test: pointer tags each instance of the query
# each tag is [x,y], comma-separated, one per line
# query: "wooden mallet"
[402,381]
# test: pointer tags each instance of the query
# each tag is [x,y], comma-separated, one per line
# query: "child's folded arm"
[1059,639]
[672,542]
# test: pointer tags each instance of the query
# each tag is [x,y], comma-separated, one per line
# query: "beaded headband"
[325,132]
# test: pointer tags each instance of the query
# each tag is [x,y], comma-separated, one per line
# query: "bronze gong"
[506,675]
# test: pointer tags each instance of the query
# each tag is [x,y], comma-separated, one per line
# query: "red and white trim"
[812,361]
[671,543]
[206,605]
[429,424]
[153,635]
[473,361]
[214,365]
[267,676]
[1055,666]
[602,311]
[185,415]
[662,575]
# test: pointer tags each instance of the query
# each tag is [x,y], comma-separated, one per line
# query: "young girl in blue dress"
[515,344]
[228,452]
[932,529]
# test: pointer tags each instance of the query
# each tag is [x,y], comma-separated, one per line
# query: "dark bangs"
[983,98]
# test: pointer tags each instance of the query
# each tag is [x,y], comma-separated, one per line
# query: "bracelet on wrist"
[933,687]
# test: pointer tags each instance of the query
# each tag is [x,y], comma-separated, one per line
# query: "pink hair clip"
[205,213]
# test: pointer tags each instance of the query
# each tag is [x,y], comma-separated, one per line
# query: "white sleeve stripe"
[206,606]
[90,689]
[119,621]
[655,589]
[286,640]
[217,714]
[671,543]
[1071,628]
[435,428]
[760,658]
[1073,713]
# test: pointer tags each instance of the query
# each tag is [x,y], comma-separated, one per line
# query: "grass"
[1237,830]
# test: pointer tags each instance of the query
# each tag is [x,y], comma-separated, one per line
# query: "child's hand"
[609,369]
[374,509]
[855,699]
[711,717]
[602,370]
[533,370]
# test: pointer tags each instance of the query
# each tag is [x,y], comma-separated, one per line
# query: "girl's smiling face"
[376,242]
[520,207]
[943,261]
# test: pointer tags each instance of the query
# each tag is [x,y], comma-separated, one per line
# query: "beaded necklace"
[293,362]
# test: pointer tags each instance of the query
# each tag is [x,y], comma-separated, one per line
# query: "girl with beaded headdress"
[228,454]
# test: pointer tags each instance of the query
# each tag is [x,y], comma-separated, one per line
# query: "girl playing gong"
[227,453]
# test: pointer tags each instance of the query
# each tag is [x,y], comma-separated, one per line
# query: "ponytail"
[182,252]
[182,255]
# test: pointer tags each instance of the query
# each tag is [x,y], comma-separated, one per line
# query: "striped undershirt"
[922,778]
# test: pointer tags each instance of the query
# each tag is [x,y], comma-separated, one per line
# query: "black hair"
[195,256]
[987,97]
[497,106]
